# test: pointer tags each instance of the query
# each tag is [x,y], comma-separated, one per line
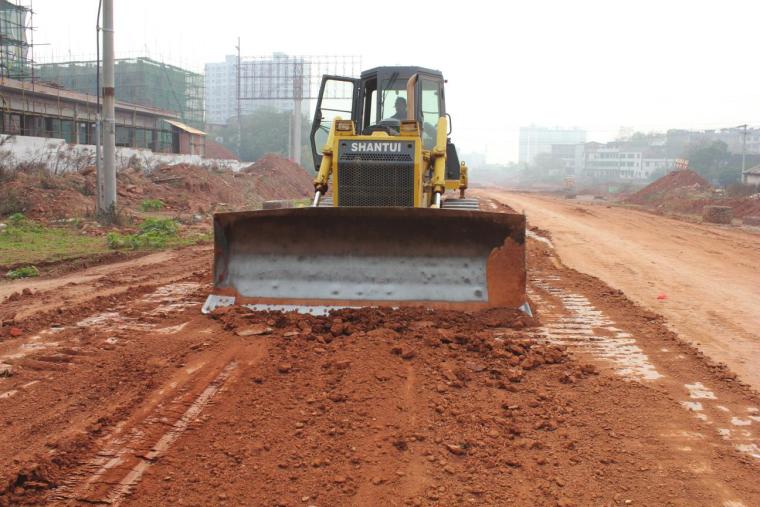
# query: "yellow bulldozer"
[389,224]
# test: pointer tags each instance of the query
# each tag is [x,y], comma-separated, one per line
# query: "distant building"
[266,82]
[621,161]
[751,176]
[571,156]
[221,91]
[537,140]
[733,137]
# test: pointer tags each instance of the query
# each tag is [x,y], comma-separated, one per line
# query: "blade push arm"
[321,181]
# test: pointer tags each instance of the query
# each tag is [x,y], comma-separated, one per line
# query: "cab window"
[393,98]
[431,110]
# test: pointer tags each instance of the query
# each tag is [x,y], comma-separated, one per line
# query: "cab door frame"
[318,116]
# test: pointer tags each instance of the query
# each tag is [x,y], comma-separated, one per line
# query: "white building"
[221,91]
[265,82]
[536,140]
[751,176]
[614,161]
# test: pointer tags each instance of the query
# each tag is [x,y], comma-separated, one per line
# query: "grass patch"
[155,233]
[23,272]
[26,242]
[152,205]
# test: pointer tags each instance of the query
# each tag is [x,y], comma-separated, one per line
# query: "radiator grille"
[376,179]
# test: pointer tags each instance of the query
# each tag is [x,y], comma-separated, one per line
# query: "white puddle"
[172,297]
[172,329]
[694,406]
[27,348]
[579,329]
[751,449]
[737,421]
[8,394]
[542,239]
[697,391]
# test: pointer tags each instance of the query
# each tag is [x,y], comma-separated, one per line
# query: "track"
[131,397]
[707,274]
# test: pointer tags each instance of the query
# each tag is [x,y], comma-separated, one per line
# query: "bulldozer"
[389,223]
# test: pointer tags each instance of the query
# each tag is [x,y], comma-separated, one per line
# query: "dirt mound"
[218,151]
[686,192]
[183,189]
[278,178]
[673,185]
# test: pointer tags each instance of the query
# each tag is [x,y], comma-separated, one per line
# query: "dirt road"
[130,396]
[708,274]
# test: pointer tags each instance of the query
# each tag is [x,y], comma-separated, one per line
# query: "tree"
[546,167]
[713,162]
[265,131]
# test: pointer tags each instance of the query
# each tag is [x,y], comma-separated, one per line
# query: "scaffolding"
[140,81]
[16,38]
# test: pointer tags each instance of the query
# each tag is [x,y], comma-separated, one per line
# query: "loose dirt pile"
[278,178]
[687,192]
[182,189]
[676,184]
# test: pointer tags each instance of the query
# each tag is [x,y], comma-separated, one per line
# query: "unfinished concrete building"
[15,46]
[34,109]
[140,81]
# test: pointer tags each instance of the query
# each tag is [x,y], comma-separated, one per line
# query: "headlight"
[344,126]
[409,127]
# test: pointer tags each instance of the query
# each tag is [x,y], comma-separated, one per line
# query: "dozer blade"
[317,259]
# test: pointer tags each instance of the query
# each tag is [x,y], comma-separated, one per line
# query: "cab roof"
[405,71]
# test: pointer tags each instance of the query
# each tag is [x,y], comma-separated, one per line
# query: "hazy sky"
[599,65]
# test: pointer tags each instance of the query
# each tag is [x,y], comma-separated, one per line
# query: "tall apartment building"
[221,91]
[264,82]
[537,140]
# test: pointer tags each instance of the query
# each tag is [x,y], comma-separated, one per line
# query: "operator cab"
[380,101]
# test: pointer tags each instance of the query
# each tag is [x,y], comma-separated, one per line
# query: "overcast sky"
[599,65]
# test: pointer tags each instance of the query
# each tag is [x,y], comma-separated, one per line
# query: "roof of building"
[186,128]
[44,90]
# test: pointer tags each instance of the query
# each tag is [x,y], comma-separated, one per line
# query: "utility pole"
[297,101]
[108,210]
[239,110]
[744,150]
[98,115]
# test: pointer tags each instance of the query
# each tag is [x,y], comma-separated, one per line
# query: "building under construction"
[140,81]
[15,44]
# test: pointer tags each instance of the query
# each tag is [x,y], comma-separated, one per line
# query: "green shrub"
[154,233]
[152,205]
[23,272]
[166,226]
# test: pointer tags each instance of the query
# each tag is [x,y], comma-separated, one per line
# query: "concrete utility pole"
[744,149]
[297,101]
[108,209]
[239,109]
